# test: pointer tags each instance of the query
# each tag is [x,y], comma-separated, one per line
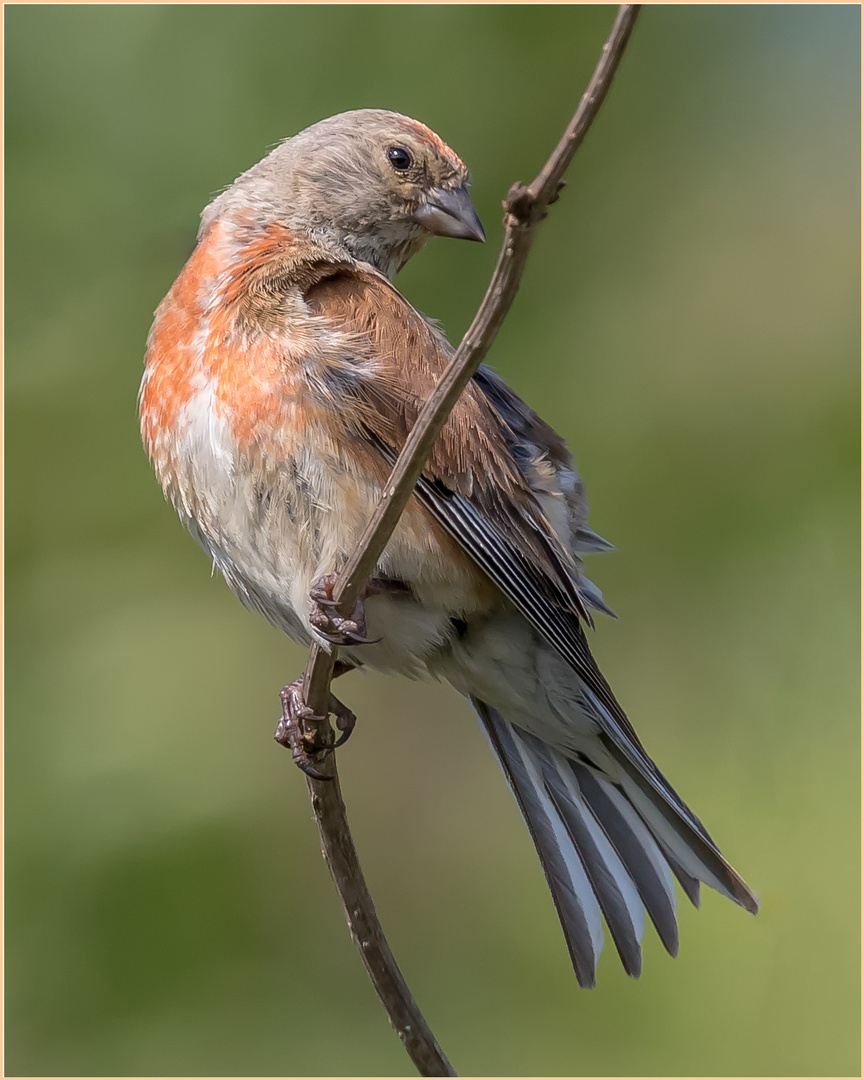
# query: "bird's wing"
[481,485]
[481,481]
[475,483]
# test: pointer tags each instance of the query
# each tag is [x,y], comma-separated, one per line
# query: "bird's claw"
[325,617]
[298,729]
[345,721]
[291,731]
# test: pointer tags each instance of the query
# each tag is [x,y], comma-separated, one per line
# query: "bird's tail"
[609,849]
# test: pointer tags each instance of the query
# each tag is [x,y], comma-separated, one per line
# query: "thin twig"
[525,208]
[338,848]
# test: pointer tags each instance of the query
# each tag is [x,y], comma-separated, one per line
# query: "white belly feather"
[273,525]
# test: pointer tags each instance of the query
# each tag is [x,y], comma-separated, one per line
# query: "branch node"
[557,195]
[519,205]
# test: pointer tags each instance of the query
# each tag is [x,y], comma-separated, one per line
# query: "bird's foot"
[330,623]
[299,729]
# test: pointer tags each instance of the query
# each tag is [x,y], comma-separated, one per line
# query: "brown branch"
[525,208]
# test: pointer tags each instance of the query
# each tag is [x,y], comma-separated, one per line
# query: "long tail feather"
[691,851]
[608,848]
[609,880]
[638,851]
[577,907]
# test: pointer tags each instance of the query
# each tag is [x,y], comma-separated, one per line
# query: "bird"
[283,373]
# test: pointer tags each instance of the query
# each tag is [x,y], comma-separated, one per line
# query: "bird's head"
[371,182]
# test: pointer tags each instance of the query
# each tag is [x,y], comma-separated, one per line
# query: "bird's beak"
[450,213]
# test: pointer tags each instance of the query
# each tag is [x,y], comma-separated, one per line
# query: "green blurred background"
[689,320]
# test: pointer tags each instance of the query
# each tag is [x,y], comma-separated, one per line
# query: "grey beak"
[450,213]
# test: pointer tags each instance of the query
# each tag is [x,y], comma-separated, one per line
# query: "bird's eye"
[399,158]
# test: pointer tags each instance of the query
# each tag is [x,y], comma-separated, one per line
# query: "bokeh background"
[689,320]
